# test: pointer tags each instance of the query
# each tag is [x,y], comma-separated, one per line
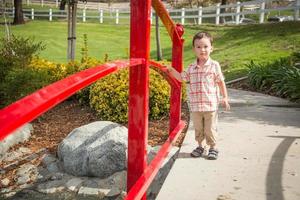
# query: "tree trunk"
[62,5]
[158,48]
[72,13]
[18,18]
[223,2]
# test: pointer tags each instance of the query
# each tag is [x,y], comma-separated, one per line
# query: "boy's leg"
[198,121]
[210,129]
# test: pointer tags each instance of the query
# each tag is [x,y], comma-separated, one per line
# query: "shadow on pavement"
[278,116]
[275,170]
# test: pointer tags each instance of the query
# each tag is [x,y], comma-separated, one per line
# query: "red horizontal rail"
[32,106]
[140,187]
[171,80]
[163,14]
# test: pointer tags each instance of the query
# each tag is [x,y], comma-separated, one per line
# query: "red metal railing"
[139,175]
[140,187]
[175,32]
[32,106]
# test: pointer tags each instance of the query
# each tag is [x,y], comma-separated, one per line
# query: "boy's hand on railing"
[168,68]
[174,73]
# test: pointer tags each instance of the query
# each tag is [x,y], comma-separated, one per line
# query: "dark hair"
[201,35]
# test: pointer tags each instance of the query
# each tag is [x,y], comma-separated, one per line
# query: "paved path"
[259,145]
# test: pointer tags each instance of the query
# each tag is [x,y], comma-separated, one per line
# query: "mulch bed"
[53,126]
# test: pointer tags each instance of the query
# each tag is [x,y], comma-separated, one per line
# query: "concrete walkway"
[259,143]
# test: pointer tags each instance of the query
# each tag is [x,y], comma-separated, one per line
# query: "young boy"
[204,78]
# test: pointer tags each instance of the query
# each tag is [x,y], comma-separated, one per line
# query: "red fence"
[139,175]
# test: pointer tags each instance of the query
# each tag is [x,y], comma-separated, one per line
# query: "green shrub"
[15,55]
[281,77]
[262,76]
[18,51]
[20,82]
[289,83]
[109,97]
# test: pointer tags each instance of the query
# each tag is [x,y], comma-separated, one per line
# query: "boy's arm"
[224,93]
[174,73]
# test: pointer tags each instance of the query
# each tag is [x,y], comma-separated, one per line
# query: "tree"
[18,18]
[223,2]
[158,48]
[62,4]
[72,15]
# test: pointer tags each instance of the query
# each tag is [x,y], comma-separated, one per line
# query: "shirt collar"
[207,63]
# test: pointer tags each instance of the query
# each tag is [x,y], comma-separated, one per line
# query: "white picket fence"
[235,13]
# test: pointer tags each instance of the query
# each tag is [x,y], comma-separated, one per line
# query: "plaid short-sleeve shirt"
[202,83]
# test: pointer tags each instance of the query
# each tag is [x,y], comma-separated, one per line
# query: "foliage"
[19,83]
[17,52]
[281,77]
[109,97]
[15,80]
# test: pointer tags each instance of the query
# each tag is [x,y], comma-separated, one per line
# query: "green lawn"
[234,45]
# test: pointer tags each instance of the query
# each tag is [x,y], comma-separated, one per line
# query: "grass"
[234,46]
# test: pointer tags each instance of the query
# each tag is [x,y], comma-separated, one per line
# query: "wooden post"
[32,13]
[200,15]
[84,15]
[50,14]
[182,15]
[262,12]
[218,13]
[117,16]
[101,16]
[296,13]
[238,10]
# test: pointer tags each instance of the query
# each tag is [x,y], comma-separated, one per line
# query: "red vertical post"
[177,55]
[138,90]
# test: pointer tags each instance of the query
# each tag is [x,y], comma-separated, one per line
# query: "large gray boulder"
[97,149]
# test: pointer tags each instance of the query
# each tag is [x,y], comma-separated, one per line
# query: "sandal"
[197,152]
[212,154]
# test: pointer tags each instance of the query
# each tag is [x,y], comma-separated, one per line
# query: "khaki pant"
[205,124]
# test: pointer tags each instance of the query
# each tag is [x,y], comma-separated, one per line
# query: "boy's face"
[202,48]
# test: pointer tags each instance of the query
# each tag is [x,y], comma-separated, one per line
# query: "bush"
[109,97]
[262,76]
[17,52]
[281,77]
[15,55]
[19,83]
